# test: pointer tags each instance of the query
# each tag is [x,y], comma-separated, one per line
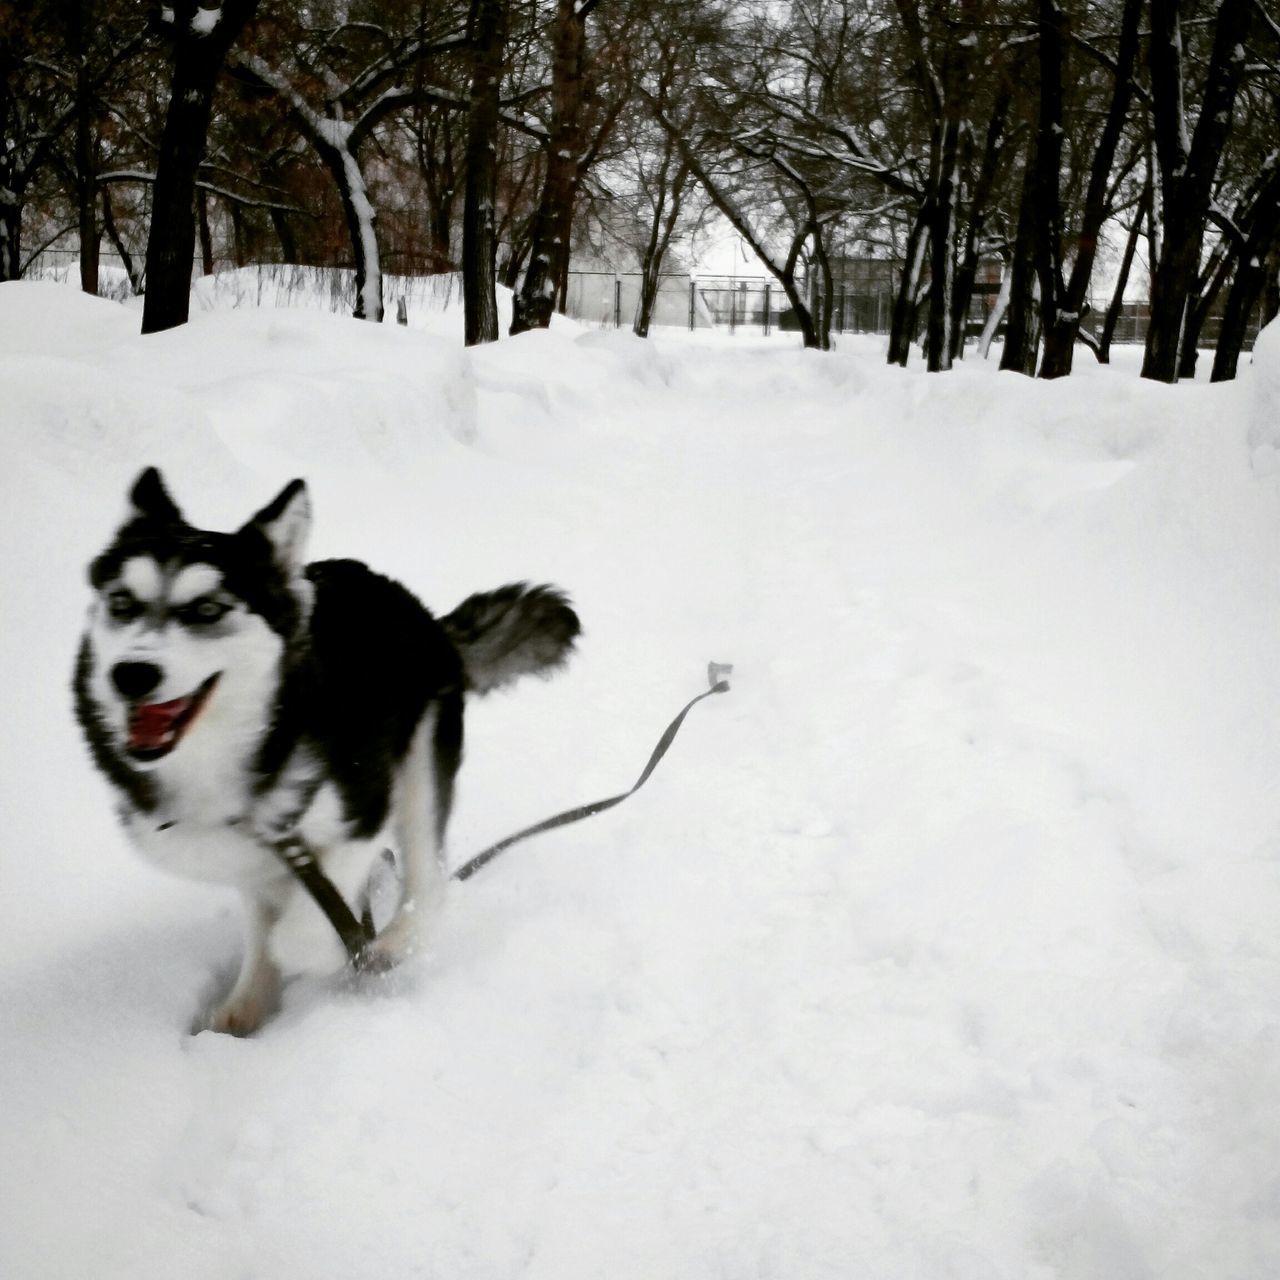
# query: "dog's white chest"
[226,843]
[216,852]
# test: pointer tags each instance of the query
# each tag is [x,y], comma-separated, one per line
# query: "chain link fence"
[758,305]
[751,304]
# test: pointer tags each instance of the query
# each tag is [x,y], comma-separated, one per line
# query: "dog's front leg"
[257,988]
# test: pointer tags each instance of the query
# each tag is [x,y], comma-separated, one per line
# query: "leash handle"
[717,678]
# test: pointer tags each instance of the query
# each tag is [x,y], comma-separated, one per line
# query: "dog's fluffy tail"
[515,631]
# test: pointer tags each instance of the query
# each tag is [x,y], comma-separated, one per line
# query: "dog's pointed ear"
[149,498]
[286,522]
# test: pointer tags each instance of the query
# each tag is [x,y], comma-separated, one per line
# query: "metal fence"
[757,304]
[612,300]
[752,304]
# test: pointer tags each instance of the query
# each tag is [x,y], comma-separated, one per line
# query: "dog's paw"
[246,1007]
[397,941]
[237,1017]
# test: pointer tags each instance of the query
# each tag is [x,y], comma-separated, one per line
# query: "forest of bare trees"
[1055,143]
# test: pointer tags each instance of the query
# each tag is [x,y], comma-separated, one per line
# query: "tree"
[201,39]
[648,196]
[487,32]
[36,106]
[1062,327]
[360,75]
[1188,160]
[582,118]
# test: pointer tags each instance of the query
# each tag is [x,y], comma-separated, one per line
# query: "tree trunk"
[1242,297]
[206,235]
[86,184]
[822,290]
[1059,343]
[11,189]
[113,234]
[1254,223]
[361,219]
[902,324]
[553,221]
[942,255]
[967,271]
[10,240]
[1256,265]
[284,233]
[488,28]
[1056,323]
[996,315]
[666,213]
[948,130]
[198,59]
[1200,302]
[433,138]
[1122,278]
[1271,294]
[1021,337]
[513,265]
[1187,174]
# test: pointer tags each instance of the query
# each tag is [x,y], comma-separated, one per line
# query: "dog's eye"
[123,605]
[203,611]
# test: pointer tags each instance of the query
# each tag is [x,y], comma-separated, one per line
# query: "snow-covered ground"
[947,945]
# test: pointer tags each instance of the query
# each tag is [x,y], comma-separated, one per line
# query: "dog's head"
[188,626]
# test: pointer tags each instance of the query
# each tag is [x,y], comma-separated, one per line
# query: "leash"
[356,934]
[717,673]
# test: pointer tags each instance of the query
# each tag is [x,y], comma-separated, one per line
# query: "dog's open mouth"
[155,728]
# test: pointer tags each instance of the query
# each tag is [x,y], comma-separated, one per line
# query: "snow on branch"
[203,21]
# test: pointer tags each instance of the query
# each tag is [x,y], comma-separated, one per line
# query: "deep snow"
[945,946]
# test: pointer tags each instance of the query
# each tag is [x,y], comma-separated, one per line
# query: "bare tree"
[1188,159]
[1062,326]
[340,81]
[201,39]
[584,111]
[487,31]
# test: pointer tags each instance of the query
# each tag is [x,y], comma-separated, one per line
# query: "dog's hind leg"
[424,799]
[257,988]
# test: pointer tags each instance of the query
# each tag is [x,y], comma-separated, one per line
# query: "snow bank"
[1264,372]
[943,946]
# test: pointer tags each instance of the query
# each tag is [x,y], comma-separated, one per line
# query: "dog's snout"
[135,679]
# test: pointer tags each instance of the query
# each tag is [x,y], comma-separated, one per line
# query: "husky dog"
[236,696]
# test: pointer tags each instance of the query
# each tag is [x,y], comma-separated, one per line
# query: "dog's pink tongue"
[152,725]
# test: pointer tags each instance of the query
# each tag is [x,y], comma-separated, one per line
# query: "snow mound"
[1264,430]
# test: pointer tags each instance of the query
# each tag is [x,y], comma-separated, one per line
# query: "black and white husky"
[235,695]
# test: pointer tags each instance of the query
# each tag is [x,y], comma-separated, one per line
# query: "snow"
[205,20]
[944,945]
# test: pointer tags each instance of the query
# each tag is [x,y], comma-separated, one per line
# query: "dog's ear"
[286,522]
[151,499]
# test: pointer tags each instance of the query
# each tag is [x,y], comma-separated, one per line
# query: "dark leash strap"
[356,934]
[717,673]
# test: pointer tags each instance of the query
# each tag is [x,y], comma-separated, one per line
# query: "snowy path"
[944,946]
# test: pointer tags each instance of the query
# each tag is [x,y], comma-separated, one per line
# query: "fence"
[603,298]
[757,304]
[612,300]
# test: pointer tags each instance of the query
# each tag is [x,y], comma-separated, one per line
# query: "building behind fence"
[862,302]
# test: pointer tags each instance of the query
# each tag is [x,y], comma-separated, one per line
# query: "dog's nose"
[135,679]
